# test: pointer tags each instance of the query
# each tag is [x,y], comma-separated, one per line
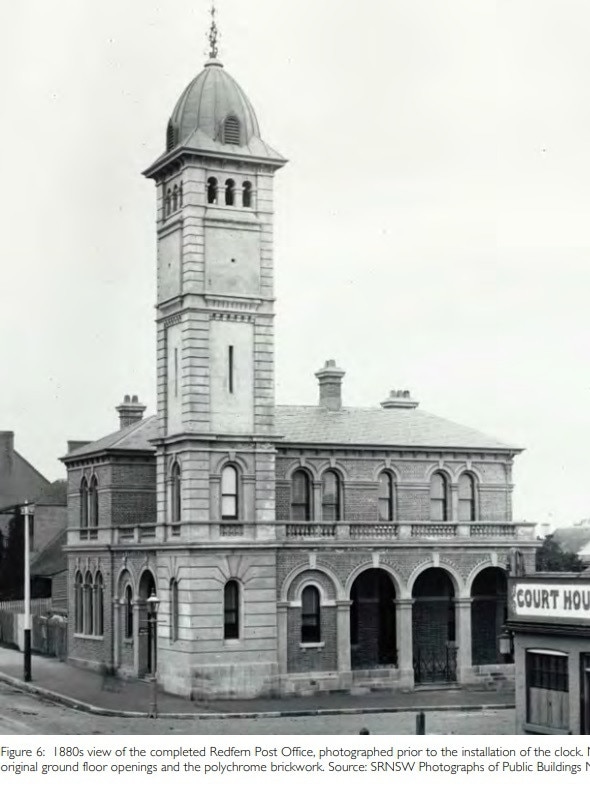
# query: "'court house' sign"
[568,601]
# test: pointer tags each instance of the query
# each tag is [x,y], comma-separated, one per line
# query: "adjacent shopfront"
[549,625]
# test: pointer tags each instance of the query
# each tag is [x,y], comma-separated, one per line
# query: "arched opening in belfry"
[488,615]
[433,627]
[372,620]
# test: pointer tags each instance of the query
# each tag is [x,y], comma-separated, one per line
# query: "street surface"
[22,713]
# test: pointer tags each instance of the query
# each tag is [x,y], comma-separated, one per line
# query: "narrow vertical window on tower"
[168,203]
[212,190]
[229,492]
[230,368]
[231,610]
[175,372]
[175,198]
[247,194]
[84,504]
[231,130]
[230,190]
[175,493]
[173,610]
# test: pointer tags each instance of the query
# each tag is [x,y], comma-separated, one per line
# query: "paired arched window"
[175,493]
[439,497]
[229,492]
[231,130]
[467,506]
[386,497]
[128,598]
[173,199]
[174,610]
[247,194]
[84,504]
[230,191]
[89,604]
[300,496]
[212,190]
[231,610]
[310,615]
[331,496]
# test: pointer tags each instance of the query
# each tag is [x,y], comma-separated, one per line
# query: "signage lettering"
[551,600]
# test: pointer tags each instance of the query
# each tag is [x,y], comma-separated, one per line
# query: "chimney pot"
[399,399]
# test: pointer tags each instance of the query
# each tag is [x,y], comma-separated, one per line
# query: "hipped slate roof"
[134,437]
[314,425]
[411,428]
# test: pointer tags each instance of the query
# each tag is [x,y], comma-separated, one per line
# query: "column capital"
[463,601]
[404,603]
[343,604]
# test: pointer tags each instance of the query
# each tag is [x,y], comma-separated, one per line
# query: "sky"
[432,227]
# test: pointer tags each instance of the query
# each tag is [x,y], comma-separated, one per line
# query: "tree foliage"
[552,557]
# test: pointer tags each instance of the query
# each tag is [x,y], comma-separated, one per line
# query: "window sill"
[536,729]
[312,645]
[88,636]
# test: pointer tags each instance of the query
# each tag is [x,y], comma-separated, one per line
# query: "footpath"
[90,692]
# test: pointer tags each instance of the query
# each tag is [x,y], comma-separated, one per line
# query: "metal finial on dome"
[213,34]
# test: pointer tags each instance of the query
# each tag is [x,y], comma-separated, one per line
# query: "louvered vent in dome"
[231,131]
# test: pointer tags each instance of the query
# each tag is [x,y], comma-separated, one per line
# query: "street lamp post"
[27,660]
[153,603]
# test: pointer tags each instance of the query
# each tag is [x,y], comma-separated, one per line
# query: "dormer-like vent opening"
[170,137]
[231,130]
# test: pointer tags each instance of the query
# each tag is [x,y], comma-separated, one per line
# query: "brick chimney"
[399,399]
[330,379]
[6,450]
[130,411]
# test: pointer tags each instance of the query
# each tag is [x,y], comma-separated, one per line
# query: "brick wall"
[312,659]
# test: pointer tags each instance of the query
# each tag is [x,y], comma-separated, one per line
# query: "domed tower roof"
[212,103]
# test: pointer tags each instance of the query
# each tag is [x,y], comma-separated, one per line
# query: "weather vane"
[213,34]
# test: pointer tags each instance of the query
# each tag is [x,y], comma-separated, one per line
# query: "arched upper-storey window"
[310,615]
[93,503]
[231,130]
[173,610]
[175,198]
[84,504]
[78,604]
[229,492]
[230,191]
[300,496]
[247,194]
[231,610]
[331,496]
[467,497]
[175,493]
[88,604]
[128,612]
[439,498]
[168,203]
[212,190]
[98,605]
[386,497]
